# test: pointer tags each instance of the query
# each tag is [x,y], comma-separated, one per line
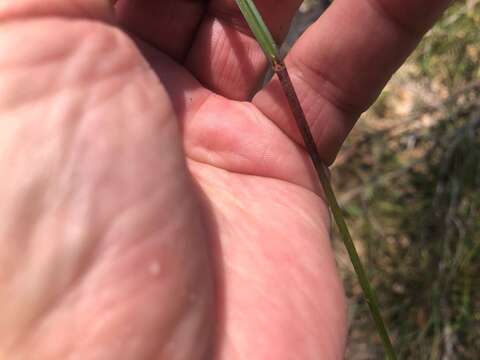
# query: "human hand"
[149,209]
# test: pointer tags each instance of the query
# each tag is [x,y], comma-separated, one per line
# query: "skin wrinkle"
[120,307]
[228,153]
[33,196]
[382,10]
[93,239]
[70,277]
[25,104]
[204,147]
[251,212]
[78,82]
[133,209]
[59,202]
[294,186]
[168,13]
[47,60]
[219,48]
[326,89]
[232,152]
[128,210]
[90,238]
[235,23]
[229,63]
[39,185]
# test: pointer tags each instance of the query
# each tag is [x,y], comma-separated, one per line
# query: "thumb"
[91,9]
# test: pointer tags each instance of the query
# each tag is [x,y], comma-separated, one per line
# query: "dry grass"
[409,179]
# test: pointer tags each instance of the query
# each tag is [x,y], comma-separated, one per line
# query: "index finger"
[342,62]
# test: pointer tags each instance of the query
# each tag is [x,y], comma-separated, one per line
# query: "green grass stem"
[267,43]
[259,28]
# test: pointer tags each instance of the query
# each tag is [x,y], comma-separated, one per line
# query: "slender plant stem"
[322,172]
[265,40]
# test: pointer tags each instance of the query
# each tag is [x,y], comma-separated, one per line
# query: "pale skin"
[154,205]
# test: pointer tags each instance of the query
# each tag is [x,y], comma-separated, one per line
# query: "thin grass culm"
[268,45]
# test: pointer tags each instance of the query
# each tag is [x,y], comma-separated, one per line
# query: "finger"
[225,57]
[94,9]
[169,25]
[343,61]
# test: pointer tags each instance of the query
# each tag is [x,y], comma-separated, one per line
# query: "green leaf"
[259,28]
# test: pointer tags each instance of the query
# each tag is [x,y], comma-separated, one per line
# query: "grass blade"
[265,39]
[259,28]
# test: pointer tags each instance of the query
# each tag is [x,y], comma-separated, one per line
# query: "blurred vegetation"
[409,179]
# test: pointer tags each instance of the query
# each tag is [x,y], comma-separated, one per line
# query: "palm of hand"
[160,219]
[140,259]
